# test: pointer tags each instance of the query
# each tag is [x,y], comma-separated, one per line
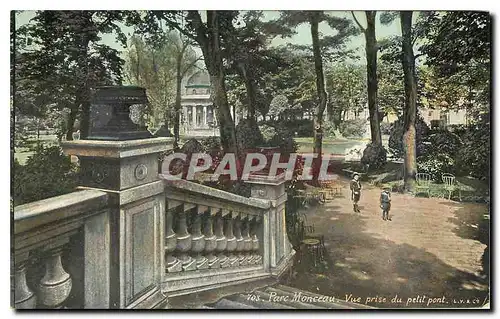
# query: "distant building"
[443,118]
[198,116]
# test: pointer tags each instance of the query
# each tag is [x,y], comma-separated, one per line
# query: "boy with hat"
[355,192]
[385,203]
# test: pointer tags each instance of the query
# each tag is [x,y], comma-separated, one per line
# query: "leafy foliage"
[285,141]
[439,154]
[473,157]
[346,88]
[374,156]
[155,67]
[396,145]
[267,131]
[435,165]
[67,60]
[353,128]
[248,135]
[279,104]
[47,173]
[459,48]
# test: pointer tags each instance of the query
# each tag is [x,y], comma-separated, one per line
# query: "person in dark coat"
[355,192]
[385,203]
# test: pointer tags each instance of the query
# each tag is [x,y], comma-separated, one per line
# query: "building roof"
[199,79]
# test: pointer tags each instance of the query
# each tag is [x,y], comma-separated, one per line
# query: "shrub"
[330,130]
[442,142]
[304,128]
[353,128]
[473,158]
[285,142]
[211,144]
[374,156]
[248,135]
[267,131]
[47,173]
[435,165]
[192,146]
[438,154]
[396,146]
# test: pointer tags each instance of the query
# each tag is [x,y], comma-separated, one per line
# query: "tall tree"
[346,87]
[321,48]
[208,36]
[164,60]
[410,110]
[371,71]
[458,48]
[68,58]
[249,55]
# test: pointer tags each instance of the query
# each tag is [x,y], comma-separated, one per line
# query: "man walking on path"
[355,192]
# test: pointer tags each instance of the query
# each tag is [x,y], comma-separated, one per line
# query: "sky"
[302,37]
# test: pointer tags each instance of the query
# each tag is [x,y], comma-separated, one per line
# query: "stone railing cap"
[185,185]
[45,211]
[117,149]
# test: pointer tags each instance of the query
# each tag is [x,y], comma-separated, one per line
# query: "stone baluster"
[210,240]
[231,240]
[24,297]
[247,240]
[184,240]
[172,263]
[221,241]
[198,239]
[240,244]
[55,286]
[257,258]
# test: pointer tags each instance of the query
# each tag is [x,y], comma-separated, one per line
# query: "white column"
[205,116]
[194,115]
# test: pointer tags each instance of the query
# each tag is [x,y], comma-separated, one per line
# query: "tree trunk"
[85,91]
[320,86]
[177,107]
[85,119]
[250,88]
[71,123]
[371,71]
[410,110]
[213,61]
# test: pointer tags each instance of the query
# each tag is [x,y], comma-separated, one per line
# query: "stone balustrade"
[50,237]
[211,232]
[130,239]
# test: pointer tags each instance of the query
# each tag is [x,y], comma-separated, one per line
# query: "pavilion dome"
[199,79]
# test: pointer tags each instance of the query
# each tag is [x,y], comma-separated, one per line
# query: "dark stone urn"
[117,101]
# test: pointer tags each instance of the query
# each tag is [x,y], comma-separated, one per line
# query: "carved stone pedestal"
[138,242]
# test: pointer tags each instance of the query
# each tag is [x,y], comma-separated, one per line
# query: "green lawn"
[330,146]
[22,153]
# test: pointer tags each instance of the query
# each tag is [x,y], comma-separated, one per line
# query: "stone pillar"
[205,116]
[172,263]
[221,241]
[193,108]
[55,286]
[132,258]
[231,239]
[24,297]
[210,242]
[278,251]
